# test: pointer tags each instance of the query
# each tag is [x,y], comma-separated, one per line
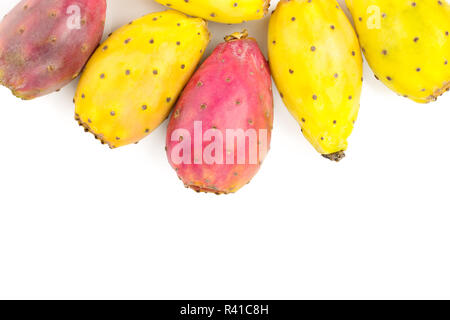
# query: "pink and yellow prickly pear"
[223,11]
[44,44]
[220,130]
[133,79]
[407,44]
[317,66]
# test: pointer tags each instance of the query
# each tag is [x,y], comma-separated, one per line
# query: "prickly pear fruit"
[316,63]
[44,44]
[134,78]
[407,44]
[223,11]
[220,130]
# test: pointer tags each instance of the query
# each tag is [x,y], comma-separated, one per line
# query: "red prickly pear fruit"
[220,130]
[44,44]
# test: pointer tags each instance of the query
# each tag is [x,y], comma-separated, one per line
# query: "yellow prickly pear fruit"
[134,78]
[317,65]
[223,11]
[407,44]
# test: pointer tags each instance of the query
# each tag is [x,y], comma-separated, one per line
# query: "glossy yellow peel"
[317,66]
[134,78]
[223,11]
[407,44]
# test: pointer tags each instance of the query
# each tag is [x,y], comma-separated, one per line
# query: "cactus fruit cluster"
[222,113]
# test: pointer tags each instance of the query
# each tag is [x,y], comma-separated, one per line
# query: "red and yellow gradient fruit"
[220,130]
[44,44]
[317,66]
[134,78]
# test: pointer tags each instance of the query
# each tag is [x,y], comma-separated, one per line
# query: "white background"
[78,220]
